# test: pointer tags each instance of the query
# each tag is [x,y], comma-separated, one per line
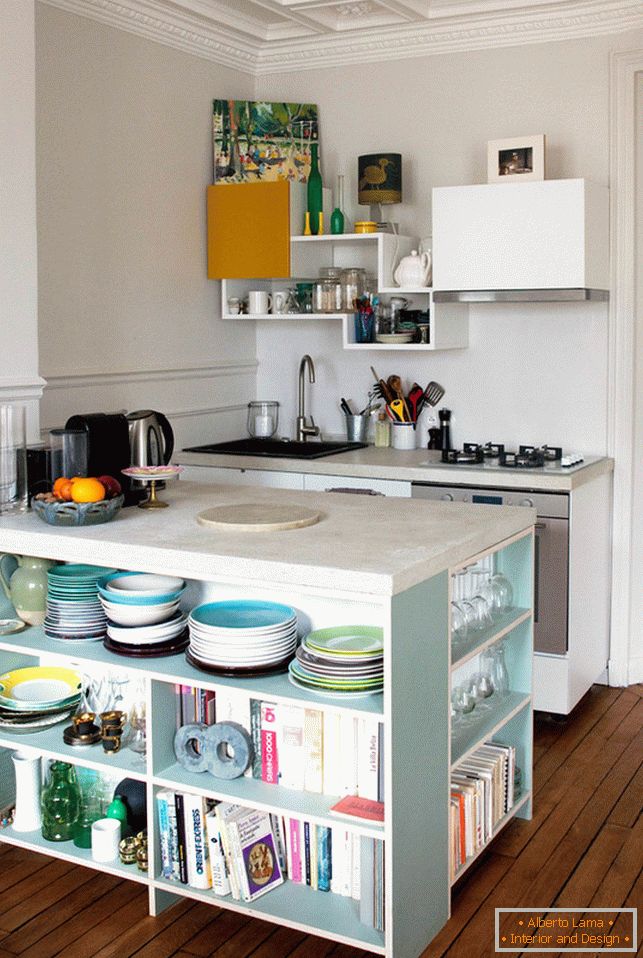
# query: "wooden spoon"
[395,385]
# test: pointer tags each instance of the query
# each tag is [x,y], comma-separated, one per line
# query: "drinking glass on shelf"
[463,702]
[482,612]
[458,625]
[481,687]
[502,591]
[493,661]
[466,608]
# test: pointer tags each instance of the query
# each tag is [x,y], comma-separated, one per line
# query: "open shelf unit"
[505,718]
[418,677]
[379,254]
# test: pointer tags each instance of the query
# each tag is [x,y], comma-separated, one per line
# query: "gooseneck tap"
[304,427]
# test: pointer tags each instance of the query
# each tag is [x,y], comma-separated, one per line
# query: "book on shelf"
[363,809]
[301,748]
[256,859]
[481,794]
[196,844]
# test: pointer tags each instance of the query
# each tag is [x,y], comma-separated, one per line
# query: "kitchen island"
[383,562]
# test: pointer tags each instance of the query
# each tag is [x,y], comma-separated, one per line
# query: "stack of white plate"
[38,696]
[74,613]
[248,637]
[143,613]
[346,660]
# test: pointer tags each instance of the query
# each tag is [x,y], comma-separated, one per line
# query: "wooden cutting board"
[258,517]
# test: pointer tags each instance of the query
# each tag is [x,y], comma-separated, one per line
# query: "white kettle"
[414,270]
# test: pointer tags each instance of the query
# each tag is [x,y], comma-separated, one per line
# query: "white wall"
[18,277]
[127,316]
[532,373]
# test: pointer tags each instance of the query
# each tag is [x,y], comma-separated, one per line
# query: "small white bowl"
[139,614]
[145,584]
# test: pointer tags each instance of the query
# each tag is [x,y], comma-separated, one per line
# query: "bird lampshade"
[379,179]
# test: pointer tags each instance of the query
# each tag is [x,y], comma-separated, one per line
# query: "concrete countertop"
[416,465]
[378,546]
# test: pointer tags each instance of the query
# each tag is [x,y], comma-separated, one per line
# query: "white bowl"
[145,584]
[140,614]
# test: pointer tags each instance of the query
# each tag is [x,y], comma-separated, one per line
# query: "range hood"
[520,295]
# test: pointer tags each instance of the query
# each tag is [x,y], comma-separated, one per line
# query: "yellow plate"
[40,684]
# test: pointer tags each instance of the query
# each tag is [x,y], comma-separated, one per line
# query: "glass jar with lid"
[327,296]
[353,282]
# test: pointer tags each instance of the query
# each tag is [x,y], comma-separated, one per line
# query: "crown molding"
[162,23]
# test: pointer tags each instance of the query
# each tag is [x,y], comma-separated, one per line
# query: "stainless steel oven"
[551,559]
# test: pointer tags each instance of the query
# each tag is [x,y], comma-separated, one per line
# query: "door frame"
[624,67]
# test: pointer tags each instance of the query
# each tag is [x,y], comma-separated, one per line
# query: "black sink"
[278,448]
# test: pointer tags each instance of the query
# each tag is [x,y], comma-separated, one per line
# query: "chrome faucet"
[304,428]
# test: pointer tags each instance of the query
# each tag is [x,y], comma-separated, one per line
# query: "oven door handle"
[540,525]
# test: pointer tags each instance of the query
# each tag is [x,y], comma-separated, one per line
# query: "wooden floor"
[584,847]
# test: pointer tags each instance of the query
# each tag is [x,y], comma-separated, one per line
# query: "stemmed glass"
[502,592]
[463,703]
[465,607]
[493,660]
[481,687]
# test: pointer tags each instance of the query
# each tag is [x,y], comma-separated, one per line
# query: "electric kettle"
[151,438]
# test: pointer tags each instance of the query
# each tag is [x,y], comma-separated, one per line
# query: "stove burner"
[523,460]
[550,453]
[470,455]
[493,450]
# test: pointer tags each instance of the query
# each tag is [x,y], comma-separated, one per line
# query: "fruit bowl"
[77,513]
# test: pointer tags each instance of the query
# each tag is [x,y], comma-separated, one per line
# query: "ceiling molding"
[231,44]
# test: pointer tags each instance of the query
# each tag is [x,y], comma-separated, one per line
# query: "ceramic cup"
[280,300]
[234,306]
[106,836]
[402,435]
[259,301]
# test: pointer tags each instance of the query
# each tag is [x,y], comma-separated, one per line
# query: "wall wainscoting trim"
[83,379]
[231,44]
[15,389]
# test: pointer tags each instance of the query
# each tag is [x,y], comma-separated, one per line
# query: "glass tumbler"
[68,452]
[13,457]
[263,418]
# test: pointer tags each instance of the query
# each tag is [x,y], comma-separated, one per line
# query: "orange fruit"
[62,489]
[87,490]
[58,484]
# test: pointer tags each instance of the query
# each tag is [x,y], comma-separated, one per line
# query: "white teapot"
[414,270]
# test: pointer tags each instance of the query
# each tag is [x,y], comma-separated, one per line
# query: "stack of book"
[244,852]
[309,749]
[226,847]
[482,792]
[194,705]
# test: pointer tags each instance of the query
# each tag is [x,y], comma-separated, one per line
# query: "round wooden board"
[258,517]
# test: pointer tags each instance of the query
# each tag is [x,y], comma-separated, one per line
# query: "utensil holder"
[356,428]
[402,435]
[27,816]
[364,327]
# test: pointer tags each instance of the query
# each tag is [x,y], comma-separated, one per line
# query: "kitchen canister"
[403,435]
[13,457]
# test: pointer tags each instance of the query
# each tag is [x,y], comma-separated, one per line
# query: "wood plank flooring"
[583,847]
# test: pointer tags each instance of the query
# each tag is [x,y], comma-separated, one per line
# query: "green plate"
[348,640]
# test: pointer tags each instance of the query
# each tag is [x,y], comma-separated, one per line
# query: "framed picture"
[519,159]
[261,141]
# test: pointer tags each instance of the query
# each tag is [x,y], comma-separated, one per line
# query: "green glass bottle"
[337,216]
[90,807]
[60,803]
[117,809]
[315,196]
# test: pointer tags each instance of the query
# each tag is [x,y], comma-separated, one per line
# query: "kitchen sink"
[277,448]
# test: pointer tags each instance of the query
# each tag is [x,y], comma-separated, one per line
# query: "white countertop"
[416,465]
[379,546]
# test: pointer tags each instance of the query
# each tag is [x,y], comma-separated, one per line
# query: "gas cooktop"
[494,455]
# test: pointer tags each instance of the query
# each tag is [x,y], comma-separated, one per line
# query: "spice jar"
[334,288]
[382,431]
[324,296]
[353,282]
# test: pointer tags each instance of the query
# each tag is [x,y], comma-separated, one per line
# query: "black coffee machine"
[108,449]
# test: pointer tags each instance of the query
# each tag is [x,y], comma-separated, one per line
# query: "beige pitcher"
[26,587]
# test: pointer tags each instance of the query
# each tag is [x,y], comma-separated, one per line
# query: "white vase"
[27,816]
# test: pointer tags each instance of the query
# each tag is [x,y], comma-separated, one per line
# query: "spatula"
[397,408]
[414,401]
[433,393]
[394,383]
